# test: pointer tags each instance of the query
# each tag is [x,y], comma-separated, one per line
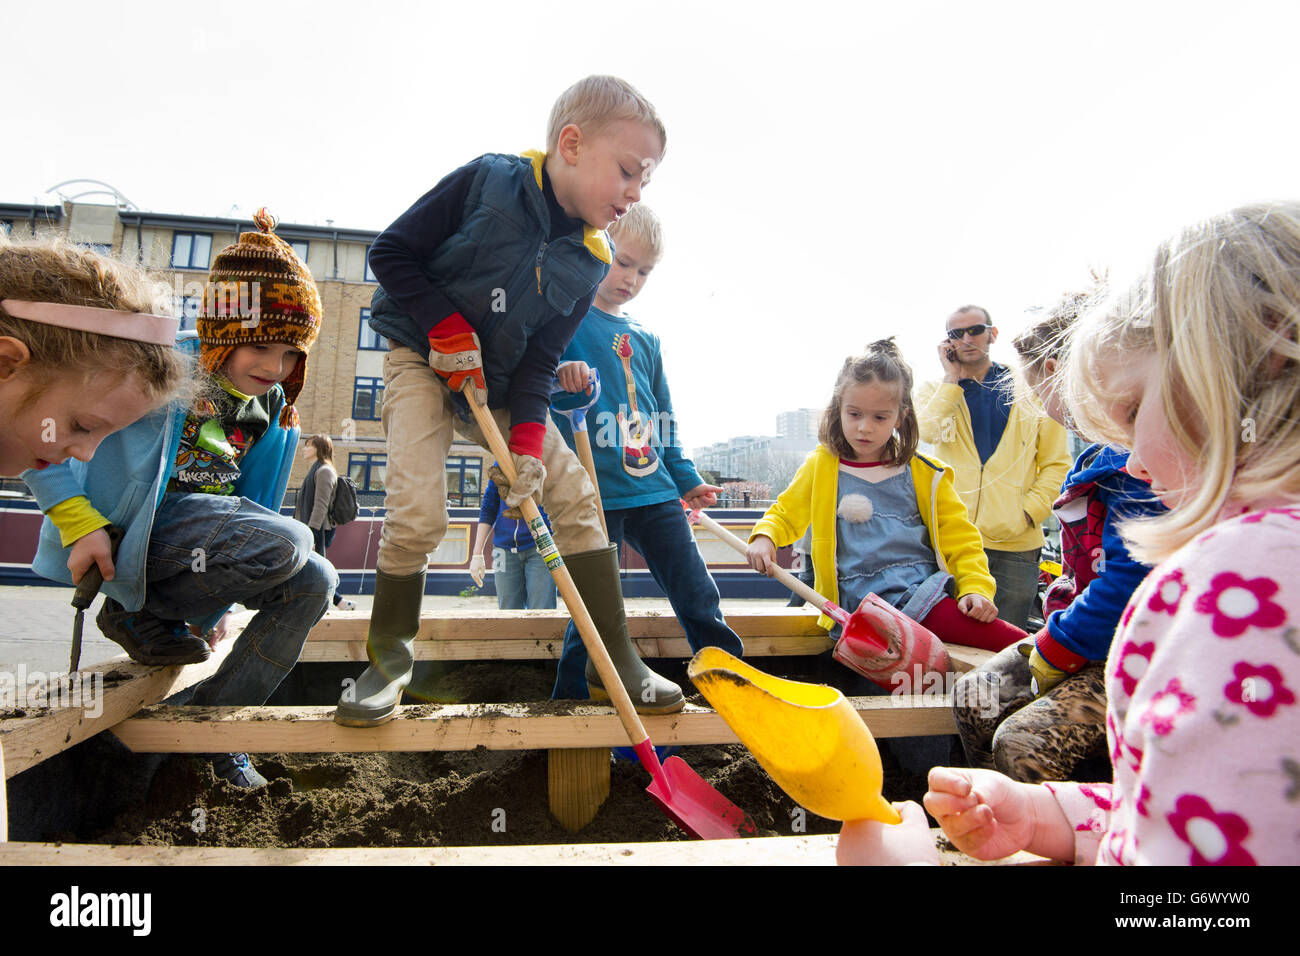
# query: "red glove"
[455,354]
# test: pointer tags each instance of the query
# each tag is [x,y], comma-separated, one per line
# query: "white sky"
[833,175]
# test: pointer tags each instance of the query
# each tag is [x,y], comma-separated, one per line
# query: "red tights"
[951,626]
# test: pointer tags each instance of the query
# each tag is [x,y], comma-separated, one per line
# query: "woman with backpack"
[315,497]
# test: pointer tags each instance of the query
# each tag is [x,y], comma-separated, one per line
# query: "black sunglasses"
[978,329]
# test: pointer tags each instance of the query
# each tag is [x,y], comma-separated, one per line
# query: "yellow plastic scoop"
[806,736]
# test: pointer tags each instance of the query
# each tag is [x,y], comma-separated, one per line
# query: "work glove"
[1044,675]
[477,569]
[455,354]
[531,475]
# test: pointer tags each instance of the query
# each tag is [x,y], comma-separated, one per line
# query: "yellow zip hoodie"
[1023,476]
[813,497]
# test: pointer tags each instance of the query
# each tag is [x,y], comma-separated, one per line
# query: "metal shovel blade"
[807,737]
[691,803]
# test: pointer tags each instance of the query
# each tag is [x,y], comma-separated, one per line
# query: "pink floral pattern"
[1260,688]
[1133,661]
[1215,838]
[1236,603]
[1204,733]
[1166,707]
[1166,595]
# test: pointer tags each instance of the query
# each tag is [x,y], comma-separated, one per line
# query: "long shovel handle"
[830,608]
[582,441]
[568,590]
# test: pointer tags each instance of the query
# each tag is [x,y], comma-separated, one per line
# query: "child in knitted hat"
[197,492]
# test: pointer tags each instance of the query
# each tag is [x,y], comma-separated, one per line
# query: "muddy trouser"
[1003,727]
[419,417]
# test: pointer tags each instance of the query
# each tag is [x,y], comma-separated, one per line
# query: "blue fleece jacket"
[1097,496]
[127,478]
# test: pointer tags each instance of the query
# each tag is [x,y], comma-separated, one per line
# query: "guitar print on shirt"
[637,431]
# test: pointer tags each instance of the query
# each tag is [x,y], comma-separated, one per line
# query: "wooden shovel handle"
[830,608]
[555,564]
[582,441]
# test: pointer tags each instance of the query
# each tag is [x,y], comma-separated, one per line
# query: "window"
[368,338]
[6,226]
[464,474]
[368,398]
[103,248]
[187,310]
[370,276]
[191,250]
[368,471]
[300,249]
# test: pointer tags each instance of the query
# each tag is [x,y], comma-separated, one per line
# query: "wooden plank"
[492,624]
[761,851]
[524,649]
[478,635]
[541,726]
[106,694]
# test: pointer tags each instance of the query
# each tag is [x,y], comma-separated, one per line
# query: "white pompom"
[855,508]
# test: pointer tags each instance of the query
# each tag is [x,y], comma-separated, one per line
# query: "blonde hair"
[641,225]
[1219,312]
[594,103]
[883,364]
[55,270]
[1049,338]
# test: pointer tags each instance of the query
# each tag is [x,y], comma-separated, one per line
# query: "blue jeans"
[207,552]
[662,535]
[1016,574]
[522,580]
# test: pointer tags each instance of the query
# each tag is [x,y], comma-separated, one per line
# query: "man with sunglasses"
[1009,457]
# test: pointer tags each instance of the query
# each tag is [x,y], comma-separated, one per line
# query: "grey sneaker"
[239,770]
[149,639]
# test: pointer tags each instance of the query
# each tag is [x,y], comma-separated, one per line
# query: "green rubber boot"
[595,573]
[390,645]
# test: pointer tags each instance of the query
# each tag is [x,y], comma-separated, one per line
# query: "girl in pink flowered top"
[1197,370]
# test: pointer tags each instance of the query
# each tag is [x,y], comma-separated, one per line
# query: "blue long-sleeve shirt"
[510,534]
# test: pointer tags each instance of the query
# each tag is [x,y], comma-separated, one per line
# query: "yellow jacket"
[812,498]
[1023,476]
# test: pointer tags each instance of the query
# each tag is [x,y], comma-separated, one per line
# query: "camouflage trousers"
[1002,727]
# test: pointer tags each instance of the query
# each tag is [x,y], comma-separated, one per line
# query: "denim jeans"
[662,535]
[522,580]
[207,552]
[1016,574]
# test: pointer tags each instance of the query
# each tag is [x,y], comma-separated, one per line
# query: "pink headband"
[137,326]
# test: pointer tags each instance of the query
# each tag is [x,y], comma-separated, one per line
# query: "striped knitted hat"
[259,292]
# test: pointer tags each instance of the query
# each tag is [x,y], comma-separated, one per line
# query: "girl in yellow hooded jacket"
[885,520]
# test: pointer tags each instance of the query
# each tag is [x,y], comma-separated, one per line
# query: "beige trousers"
[419,419]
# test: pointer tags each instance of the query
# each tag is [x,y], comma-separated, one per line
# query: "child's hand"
[761,554]
[93,548]
[702,496]
[574,377]
[985,814]
[977,607]
[868,843]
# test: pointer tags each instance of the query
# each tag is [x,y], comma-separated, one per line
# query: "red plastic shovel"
[878,640]
[682,793]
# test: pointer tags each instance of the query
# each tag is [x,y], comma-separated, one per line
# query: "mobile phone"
[952,354]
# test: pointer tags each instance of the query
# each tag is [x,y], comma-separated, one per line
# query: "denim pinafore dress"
[883,546]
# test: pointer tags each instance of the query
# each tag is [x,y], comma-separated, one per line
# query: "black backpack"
[344,506]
